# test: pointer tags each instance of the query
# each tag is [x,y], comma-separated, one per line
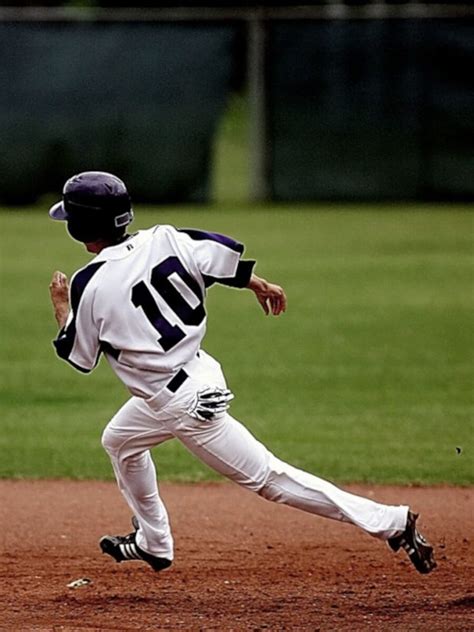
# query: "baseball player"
[140,302]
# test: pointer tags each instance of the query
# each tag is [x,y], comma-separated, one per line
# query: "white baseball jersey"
[141,303]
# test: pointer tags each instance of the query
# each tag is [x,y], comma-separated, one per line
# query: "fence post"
[259,149]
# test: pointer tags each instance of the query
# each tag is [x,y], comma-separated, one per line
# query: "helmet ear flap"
[83,227]
[79,232]
[88,226]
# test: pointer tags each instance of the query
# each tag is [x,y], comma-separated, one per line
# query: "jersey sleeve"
[78,341]
[219,258]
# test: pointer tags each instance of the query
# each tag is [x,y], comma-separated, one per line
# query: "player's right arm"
[219,258]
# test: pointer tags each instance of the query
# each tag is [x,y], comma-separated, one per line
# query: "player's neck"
[97,246]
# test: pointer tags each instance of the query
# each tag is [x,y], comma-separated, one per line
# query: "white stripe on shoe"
[129,551]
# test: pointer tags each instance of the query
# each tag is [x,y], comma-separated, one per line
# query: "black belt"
[176,381]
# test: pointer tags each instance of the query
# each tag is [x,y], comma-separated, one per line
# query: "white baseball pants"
[228,447]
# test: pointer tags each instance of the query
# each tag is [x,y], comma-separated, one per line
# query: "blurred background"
[335,141]
[335,101]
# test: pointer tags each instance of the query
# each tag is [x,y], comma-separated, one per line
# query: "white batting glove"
[210,402]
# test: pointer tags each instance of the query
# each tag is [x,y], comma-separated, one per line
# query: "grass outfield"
[367,377]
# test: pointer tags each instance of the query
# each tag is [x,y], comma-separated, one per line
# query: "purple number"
[170,334]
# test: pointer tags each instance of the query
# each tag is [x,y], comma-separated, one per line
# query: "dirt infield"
[241,563]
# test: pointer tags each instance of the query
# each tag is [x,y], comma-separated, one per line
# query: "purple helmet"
[95,205]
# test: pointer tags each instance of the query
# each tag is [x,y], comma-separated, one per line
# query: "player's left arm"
[77,341]
[271,297]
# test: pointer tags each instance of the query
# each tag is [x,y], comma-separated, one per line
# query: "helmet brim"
[57,211]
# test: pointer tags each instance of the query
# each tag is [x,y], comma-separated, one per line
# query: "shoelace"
[128,539]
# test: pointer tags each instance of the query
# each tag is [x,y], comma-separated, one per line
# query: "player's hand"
[271,297]
[59,292]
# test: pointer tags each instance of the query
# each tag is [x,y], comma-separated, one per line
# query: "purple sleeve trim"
[241,278]
[199,235]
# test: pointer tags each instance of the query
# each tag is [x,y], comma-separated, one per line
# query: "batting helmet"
[95,205]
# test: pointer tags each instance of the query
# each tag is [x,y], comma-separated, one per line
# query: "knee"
[122,452]
[273,486]
[111,440]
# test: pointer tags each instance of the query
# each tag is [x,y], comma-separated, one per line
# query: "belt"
[177,380]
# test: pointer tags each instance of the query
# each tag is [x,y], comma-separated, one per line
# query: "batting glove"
[210,402]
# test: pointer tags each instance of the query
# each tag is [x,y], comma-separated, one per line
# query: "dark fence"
[359,104]
[141,100]
[373,109]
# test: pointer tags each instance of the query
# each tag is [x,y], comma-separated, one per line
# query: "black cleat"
[415,545]
[125,549]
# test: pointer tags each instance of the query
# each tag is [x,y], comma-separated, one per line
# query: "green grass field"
[367,377]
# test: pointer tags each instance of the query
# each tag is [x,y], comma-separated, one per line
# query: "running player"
[141,303]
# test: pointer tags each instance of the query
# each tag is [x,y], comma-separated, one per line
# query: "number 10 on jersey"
[170,335]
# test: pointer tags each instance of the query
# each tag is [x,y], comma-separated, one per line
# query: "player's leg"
[127,439]
[292,486]
[229,448]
